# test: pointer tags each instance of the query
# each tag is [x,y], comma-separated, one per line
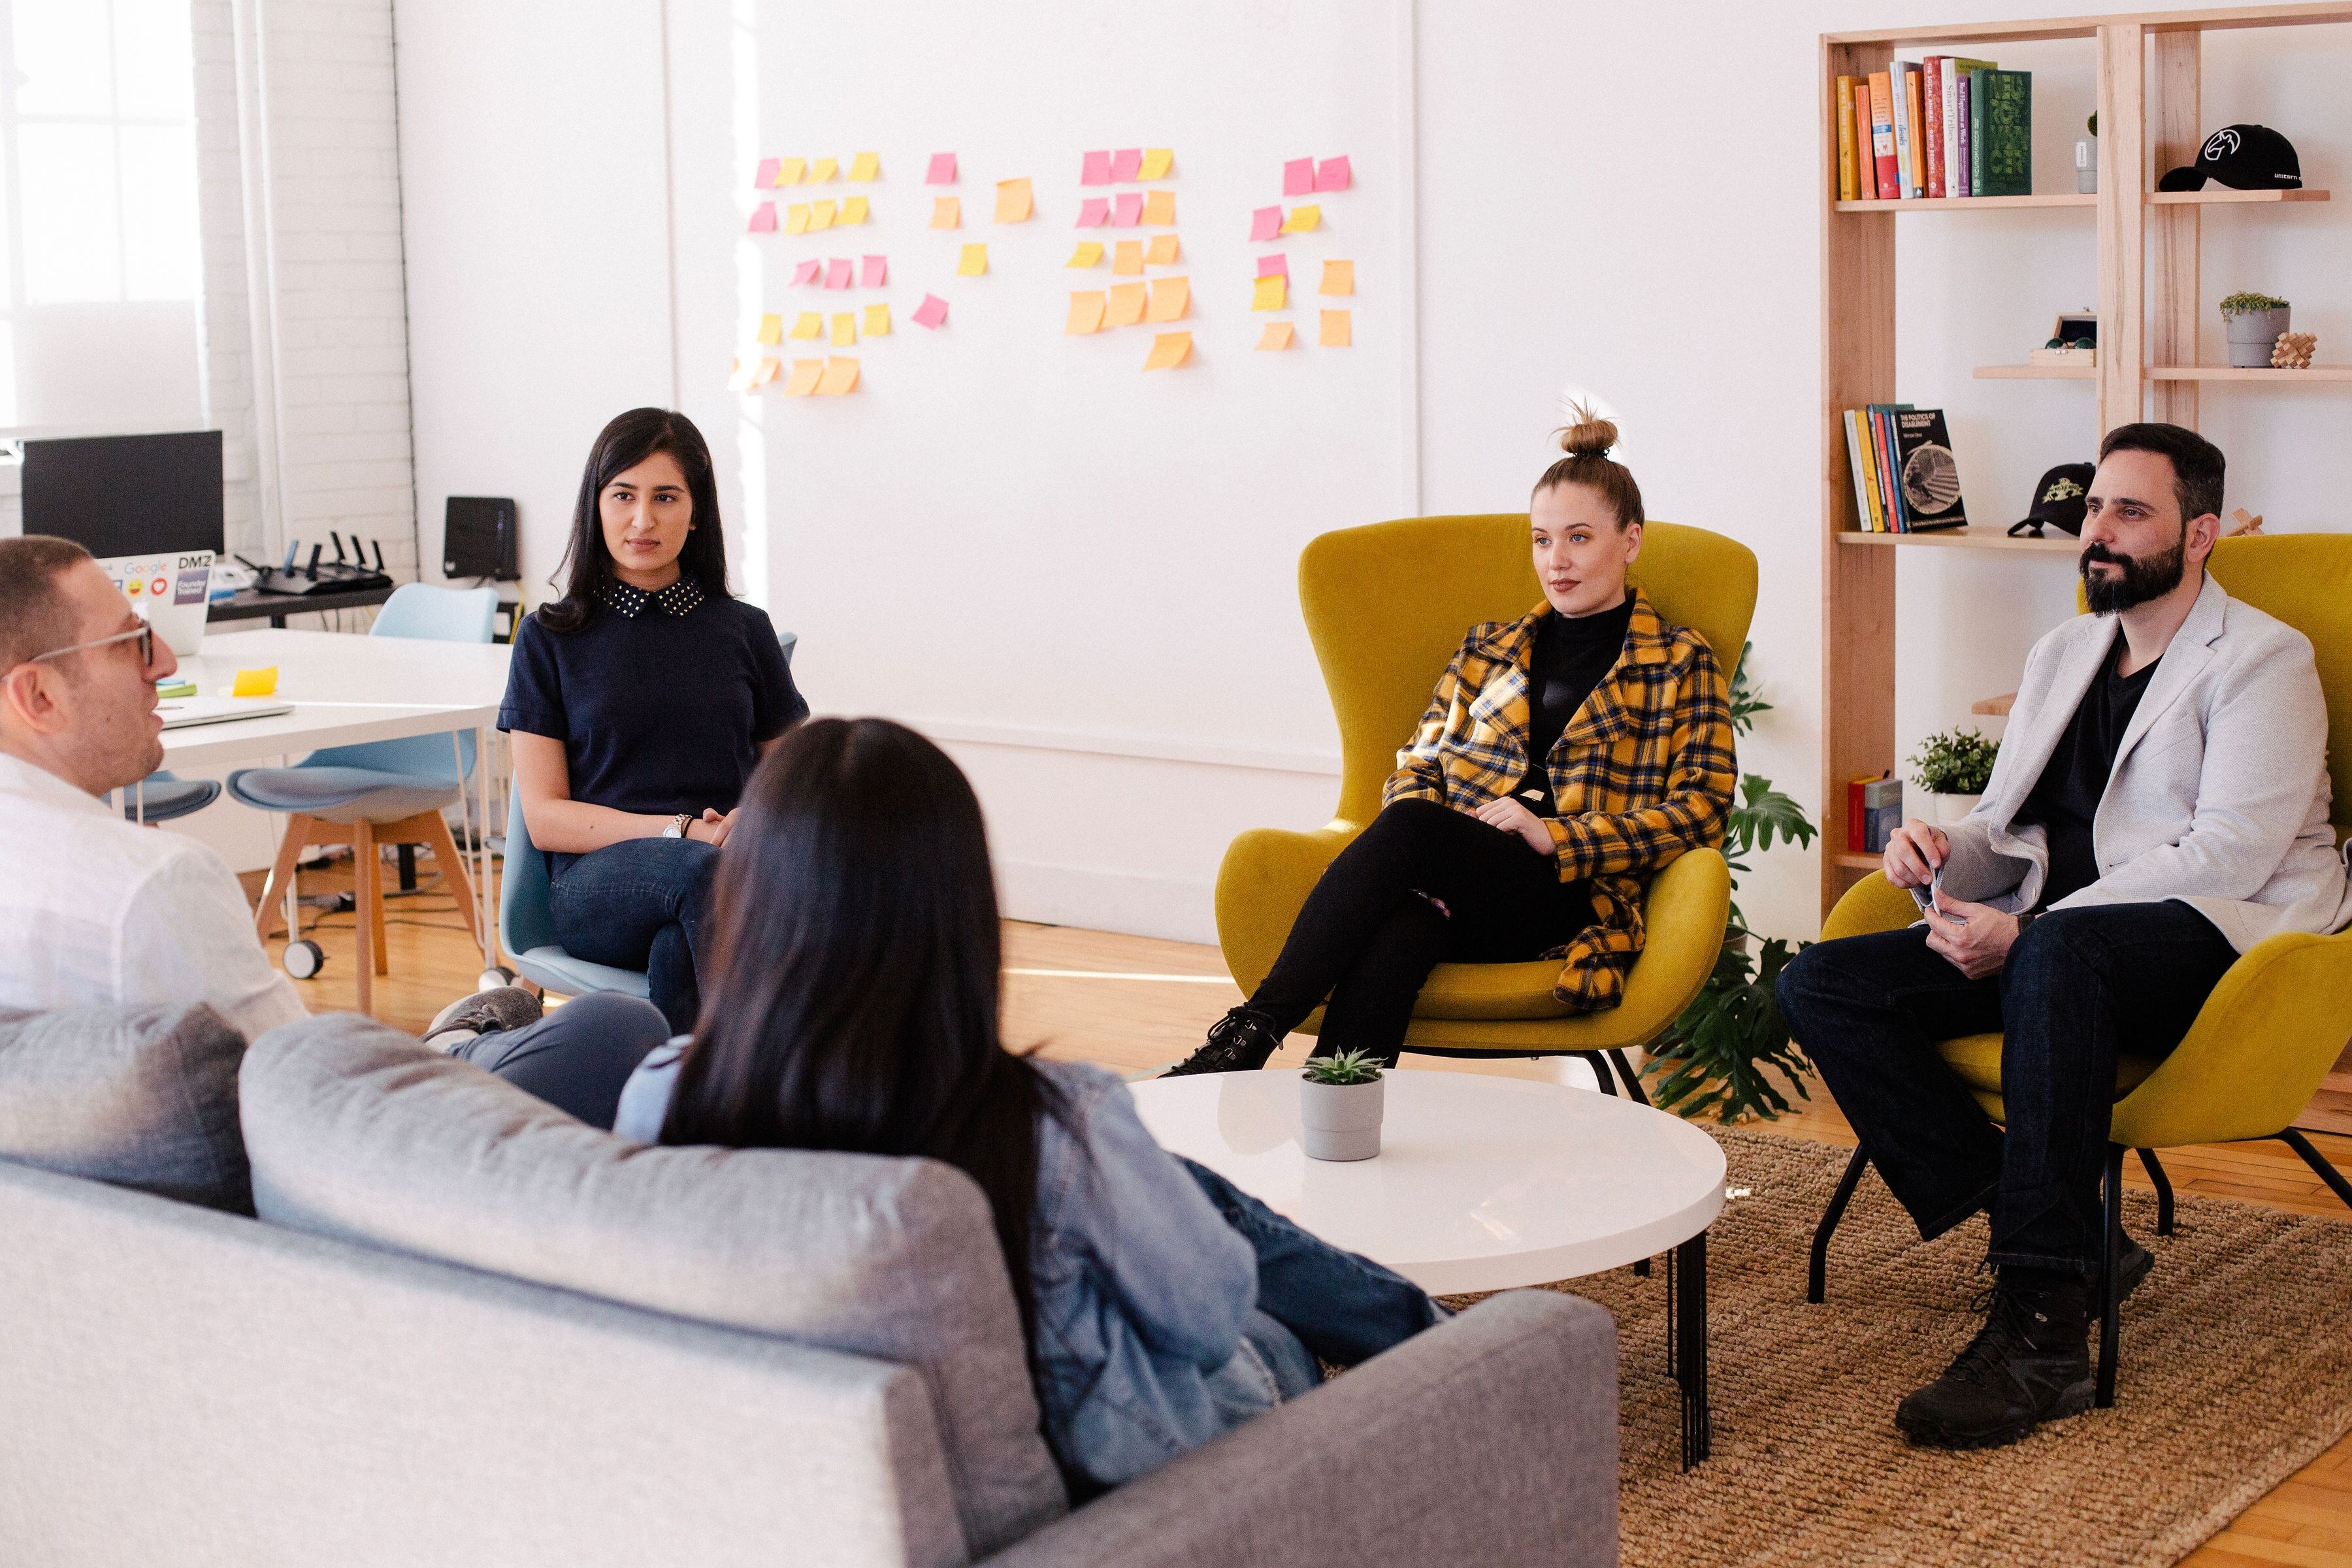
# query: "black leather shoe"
[1241,1041]
[2030,1363]
[2131,1267]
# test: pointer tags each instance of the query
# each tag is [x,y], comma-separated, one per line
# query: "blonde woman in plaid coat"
[1565,757]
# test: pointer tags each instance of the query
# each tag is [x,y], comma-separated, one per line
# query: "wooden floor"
[1134,1003]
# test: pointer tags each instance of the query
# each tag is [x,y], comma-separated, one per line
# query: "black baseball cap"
[2243,157]
[2058,500]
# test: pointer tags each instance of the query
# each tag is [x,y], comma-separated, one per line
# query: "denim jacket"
[1141,1288]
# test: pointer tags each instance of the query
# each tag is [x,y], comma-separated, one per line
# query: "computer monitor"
[128,495]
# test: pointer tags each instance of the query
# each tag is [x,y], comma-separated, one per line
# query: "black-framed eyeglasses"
[144,632]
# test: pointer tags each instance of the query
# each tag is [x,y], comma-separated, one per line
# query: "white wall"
[1585,219]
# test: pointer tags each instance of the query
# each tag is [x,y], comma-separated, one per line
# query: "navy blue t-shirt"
[661,701]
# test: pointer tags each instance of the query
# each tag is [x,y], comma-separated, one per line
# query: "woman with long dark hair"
[639,703]
[1164,1306]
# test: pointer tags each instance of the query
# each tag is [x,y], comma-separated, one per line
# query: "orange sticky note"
[1339,278]
[974,262]
[840,375]
[790,169]
[1161,251]
[803,379]
[1170,350]
[1128,257]
[1303,220]
[1126,303]
[878,320]
[821,214]
[823,169]
[1087,253]
[1169,298]
[1086,309]
[852,209]
[946,212]
[1335,330]
[771,330]
[866,166]
[767,371]
[1159,208]
[1270,293]
[796,219]
[746,370]
[844,330]
[262,682]
[1156,162]
[1276,336]
[1013,202]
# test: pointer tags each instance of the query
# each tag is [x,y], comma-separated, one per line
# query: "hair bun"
[1588,435]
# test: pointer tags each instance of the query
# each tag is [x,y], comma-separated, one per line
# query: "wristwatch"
[677,829]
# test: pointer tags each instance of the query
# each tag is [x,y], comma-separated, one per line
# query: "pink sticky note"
[1266,223]
[1298,177]
[1332,174]
[764,218]
[806,272]
[836,273]
[1125,162]
[943,169]
[1274,265]
[876,273]
[1097,170]
[931,312]
[765,178]
[1094,212]
[1129,210]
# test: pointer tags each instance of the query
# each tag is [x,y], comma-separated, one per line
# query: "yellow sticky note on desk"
[866,166]
[878,320]
[1157,161]
[823,169]
[803,379]
[852,209]
[260,682]
[840,375]
[1270,292]
[808,325]
[796,219]
[1169,296]
[1012,201]
[844,330]
[974,262]
[1089,254]
[771,330]
[790,169]
[946,212]
[1168,350]
[1302,220]
[1087,308]
[1339,278]
[1335,334]
[1159,208]
[1126,303]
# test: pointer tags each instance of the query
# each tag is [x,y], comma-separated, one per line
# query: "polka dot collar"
[679,598]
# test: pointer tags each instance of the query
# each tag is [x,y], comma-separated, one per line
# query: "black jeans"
[577,1057]
[639,904]
[1370,933]
[2080,985]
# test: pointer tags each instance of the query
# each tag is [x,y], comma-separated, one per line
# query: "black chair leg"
[2163,1191]
[2320,1164]
[2111,1295]
[1633,1080]
[1816,1276]
[1600,1066]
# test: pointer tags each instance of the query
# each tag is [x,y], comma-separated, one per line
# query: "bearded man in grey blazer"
[2160,804]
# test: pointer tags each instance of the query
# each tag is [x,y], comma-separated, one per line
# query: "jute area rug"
[2236,1372]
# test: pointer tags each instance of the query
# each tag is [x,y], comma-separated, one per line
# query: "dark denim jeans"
[2081,986]
[577,1057]
[639,904]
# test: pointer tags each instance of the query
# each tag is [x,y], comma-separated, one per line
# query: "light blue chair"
[527,929]
[382,792]
[164,797]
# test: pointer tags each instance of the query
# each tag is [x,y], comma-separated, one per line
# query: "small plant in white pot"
[2253,322]
[1954,768]
[1339,1104]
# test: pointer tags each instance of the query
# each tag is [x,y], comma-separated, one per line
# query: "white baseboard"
[1177,910]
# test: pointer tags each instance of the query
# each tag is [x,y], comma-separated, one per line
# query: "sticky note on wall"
[878,320]
[1332,174]
[796,219]
[1128,258]
[790,169]
[1168,350]
[1094,212]
[942,171]
[765,177]
[764,218]
[747,371]
[1094,169]
[1157,162]
[1088,307]
[1169,297]
[1339,278]
[808,272]
[974,262]
[1012,201]
[933,312]
[1159,208]
[1089,253]
[771,330]
[809,325]
[821,214]
[823,169]
[1335,334]
[1271,293]
[1125,164]
[1298,176]
[1266,223]
[840,375]
[852,209]
[836,273]
[845,329]
[766,371]
[803,379]
[1276,336]
[1303,220]
[1161,252]
[1126,303]
[1126,209]
[946,212]
[1274,265]
[866,166]
[876,273]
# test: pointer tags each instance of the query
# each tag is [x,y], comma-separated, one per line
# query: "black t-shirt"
[1570,657]
[661,701]
[2065,798]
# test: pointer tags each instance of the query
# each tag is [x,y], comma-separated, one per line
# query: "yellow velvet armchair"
[2278,1020]
[1386,606]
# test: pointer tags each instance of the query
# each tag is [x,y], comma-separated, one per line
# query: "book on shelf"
[1956,70]
[1931,90]
[1880,418]
[1860,469]
[1906,128]
[1866,161]
[1846,188]
[2001,140]
[1928,477]
[1960,127]
[1882,134]
[1874,810]
[1915,100]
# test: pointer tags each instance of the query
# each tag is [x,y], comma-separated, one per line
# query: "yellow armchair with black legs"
[1386,606]
[2273,1027]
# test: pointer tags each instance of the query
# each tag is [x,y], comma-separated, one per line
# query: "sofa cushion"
[360,1133]
[142,1096]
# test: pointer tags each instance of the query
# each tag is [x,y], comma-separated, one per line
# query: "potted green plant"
[1340,1101]
[1954,768]
[2253,322]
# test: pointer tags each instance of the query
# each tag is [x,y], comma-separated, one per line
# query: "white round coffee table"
[1482,1184]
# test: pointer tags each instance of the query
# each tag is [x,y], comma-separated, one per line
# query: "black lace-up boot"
[1241,1041]
[2030,1363]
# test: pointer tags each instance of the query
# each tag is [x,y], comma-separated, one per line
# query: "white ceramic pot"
[2254,334]
[1951,808]
[1340,1120]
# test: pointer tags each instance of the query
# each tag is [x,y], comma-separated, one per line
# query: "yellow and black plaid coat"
[1643,772]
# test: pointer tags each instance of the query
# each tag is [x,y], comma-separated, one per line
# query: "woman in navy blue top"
[638,704]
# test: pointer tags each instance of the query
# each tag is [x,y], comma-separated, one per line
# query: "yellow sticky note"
[852,209]
[1271,293]
[866,166]
[821,214]
[796,219]
[1087,308]
[1156,162]
[1169,298]
[1159,208]
[1303,220]
[840,375]
[809,325]
[1339,278]
[771,330]
[1170,350]
[1012,201]
[790,169]
[823,169]
[1087,253]
[260,682]
[802,380]
[946,212]
[1128,258]
[1126,303]
[845,329]
[1161,251]
[974,262]
[1276,336]
[878,320]
[1335,330]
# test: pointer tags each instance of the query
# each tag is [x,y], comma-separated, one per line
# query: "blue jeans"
[639,904]
[577,1057]
[2080,985]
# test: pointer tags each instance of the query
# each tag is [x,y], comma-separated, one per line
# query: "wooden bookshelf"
[2148,67]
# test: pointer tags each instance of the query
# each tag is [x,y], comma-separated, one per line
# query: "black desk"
[249,605]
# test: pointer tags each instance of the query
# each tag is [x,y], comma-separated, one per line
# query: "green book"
[2001,134]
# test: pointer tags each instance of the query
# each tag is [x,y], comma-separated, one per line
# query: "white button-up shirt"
[96,911]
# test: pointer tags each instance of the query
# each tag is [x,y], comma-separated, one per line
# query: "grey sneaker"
[483,1013]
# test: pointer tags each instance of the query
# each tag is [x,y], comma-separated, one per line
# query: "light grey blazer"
[2219,793]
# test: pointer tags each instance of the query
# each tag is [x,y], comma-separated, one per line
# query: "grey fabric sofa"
[465,1329]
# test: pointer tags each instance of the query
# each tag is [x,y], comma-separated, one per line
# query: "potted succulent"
[1954,768]
[1339,1103]
[2253,322]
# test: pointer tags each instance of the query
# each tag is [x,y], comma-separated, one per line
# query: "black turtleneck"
[1570,657]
